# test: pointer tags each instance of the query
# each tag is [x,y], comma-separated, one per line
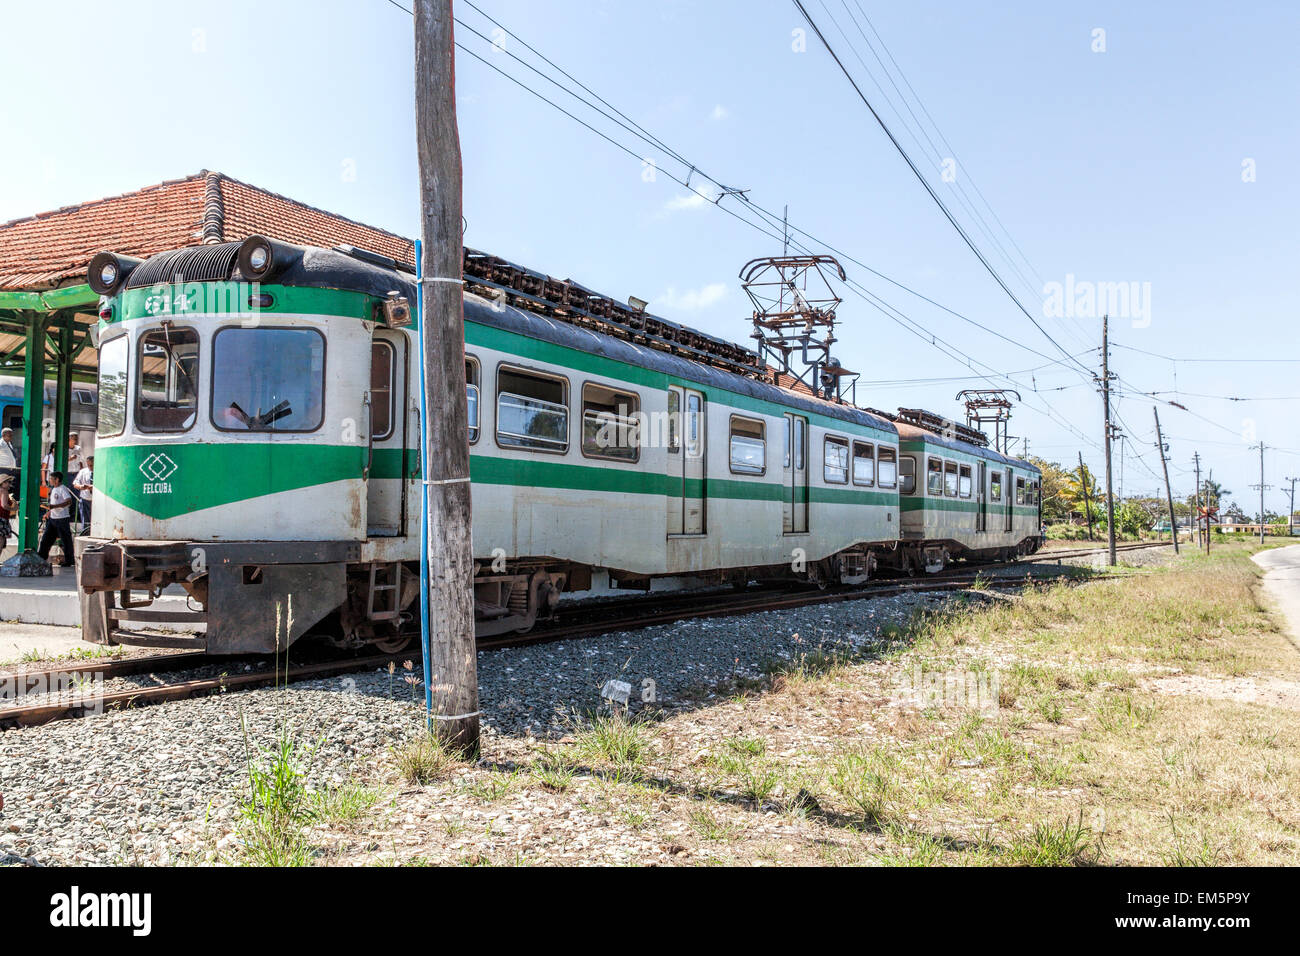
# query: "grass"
[1067,843]
[1088,758]
[277,810]
[615,739]
[425,759]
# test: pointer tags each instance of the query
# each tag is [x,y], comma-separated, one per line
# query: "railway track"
[1085,552]
[62,688]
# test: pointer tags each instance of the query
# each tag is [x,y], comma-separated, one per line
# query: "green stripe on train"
[945,504]
[197,299]
[164,481]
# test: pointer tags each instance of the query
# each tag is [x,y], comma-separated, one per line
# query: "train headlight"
[397,311]
[258,260]
[108,271]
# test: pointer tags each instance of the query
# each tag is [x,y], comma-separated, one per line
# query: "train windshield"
[112,386]
[266,380]
[167,390]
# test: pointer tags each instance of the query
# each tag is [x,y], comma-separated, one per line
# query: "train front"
[232,444]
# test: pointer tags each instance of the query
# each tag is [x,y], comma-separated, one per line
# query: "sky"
[1149,144]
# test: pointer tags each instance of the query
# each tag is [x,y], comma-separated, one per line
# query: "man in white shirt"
[76,461]
[8,454]
[58,521]
[84,485]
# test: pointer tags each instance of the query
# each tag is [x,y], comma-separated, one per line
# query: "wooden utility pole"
[453,664]
[1105,398]
[1196,519]
[1087,494]
[1164,461]
[1290,515]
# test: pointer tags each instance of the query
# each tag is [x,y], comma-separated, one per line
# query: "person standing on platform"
[8,455]
[58,521]
[6,510]
[84,485]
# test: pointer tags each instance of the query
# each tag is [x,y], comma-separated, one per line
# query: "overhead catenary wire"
[878,303]
[930,189]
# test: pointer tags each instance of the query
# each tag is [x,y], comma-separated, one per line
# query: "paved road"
[1282,582]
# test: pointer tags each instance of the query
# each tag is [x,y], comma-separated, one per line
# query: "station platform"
[53,600]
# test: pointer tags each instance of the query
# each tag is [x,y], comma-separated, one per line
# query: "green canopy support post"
[26,563]
[63,397]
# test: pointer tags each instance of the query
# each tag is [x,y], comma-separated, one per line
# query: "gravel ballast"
[162,784]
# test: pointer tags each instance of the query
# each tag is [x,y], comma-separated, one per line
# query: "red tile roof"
[53,248]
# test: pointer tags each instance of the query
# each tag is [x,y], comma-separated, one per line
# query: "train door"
[693,461]
[686,460]
[982,495]
[385,403]
[1009,494]
[794,507]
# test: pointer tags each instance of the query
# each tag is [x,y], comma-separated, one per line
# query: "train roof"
[558,332]
[908,432]
[354,270]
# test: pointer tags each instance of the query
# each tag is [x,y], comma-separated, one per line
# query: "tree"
[1056,504]
[1083,493]
[1212,492]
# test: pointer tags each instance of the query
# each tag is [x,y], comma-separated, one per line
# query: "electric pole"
[452,666]
[1290,515]
[1164,461]
[1087,494]
[1262,488]
[1196,458]
[1105,399]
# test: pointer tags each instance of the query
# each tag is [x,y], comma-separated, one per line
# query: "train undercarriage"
[262,597]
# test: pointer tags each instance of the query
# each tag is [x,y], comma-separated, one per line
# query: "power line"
[929,189]
[880,304]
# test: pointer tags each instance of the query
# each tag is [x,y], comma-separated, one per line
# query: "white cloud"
[698,198]
[692,300]
[719,113]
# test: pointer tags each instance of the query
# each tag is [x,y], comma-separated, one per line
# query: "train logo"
[158,467]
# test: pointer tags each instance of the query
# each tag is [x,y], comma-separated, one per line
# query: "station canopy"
[47,309]
[43,258]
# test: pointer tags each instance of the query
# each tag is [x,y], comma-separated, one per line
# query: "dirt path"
[1282,583]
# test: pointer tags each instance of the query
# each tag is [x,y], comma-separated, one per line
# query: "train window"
[694,412]
[167,373]
[864,463]
[381,389]
[995,486]
[674,420]
[906,474]
[934,477]
[748,446]
[950,479]
[532,410]
[789,424]
[268,379]
[887,467]
[471,397]
[112,387]
[84,396]
[964,482]
[609,423]
[836,461]
[1020,491]
[800,425]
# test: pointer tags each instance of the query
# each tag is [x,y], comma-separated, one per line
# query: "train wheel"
[391,645]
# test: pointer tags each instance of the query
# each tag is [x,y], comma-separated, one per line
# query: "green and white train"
[258,445]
